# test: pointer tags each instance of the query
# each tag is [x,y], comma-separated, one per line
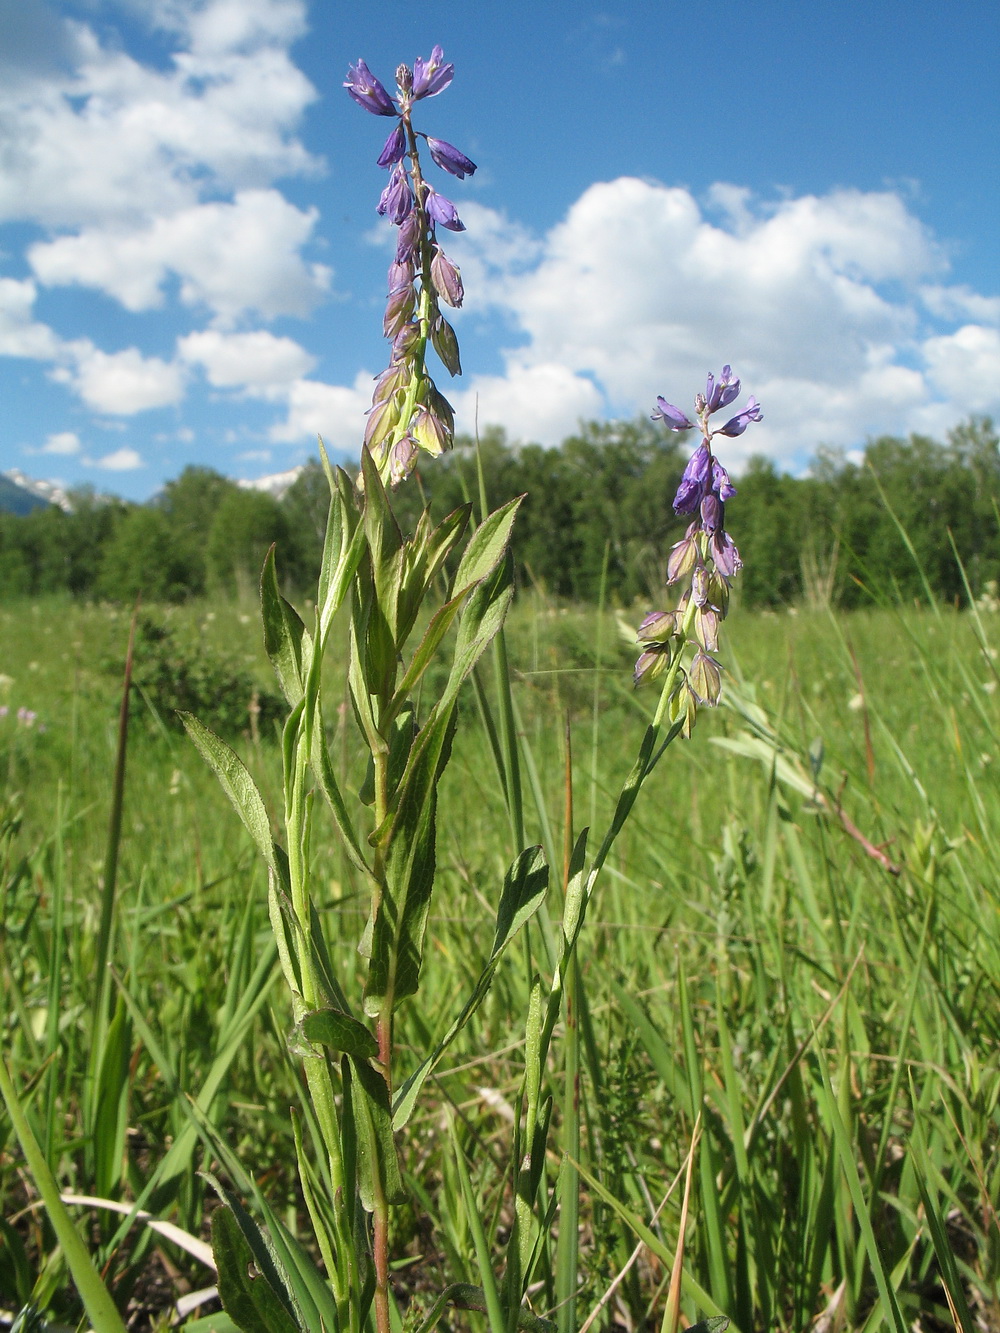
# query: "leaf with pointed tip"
[286,639]
[258,1303]
[377,1164]
[239,786]
[487,545]
[340,1031]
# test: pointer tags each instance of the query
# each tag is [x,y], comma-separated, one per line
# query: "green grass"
[836,1026]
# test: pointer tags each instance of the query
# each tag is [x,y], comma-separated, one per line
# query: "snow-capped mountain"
[49,492]
[277,484]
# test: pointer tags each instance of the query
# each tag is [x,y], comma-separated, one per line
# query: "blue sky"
[191,268]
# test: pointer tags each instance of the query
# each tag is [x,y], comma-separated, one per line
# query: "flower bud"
[382,419]
[429,432]
[446,345]
[398,309]
[405,341]
[406,241]
[442,210]
[705,679]
[449,159]
[681,559]
[706,628]
[400,275]
[657,627]
[402,459]
[447,278]
[395,147]
[652,663]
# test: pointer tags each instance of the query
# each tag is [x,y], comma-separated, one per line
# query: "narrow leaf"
[238,785]
[284,634]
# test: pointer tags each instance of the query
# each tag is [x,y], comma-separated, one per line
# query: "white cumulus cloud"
[120,383]
[258,362]
[819,302]
[232,257]
[65,442]
[121,460]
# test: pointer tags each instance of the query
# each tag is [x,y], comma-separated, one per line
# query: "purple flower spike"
[397,200]
[673,416]
[693,482]
[431,76]
[448,158]
[738,424]
[395,147]
[366,90]
[440,209]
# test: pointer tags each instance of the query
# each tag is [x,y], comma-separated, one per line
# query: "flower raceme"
[704,561]
[408,413]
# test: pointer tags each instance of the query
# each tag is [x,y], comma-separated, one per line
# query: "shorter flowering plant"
[704,561]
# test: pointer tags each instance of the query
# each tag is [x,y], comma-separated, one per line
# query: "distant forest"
[598,508]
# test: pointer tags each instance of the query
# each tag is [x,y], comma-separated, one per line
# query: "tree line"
[597,514]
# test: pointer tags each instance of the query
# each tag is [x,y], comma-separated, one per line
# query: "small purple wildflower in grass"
[407,412]
[703,561]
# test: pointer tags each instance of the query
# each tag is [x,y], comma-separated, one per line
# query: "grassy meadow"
[790,972]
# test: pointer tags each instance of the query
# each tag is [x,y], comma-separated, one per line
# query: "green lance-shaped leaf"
[524,888]
[239,786]
[487,545]
[286,639]
[377,1165]
[250,1290]
[340,1031]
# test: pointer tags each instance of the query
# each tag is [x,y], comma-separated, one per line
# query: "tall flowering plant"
[376,581]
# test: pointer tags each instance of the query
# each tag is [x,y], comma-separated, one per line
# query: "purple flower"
[448,158]
[673,416]
[721,484]
[366,90]
[431,76]
[395,147]
[738,424]
[721,393]
[694,481]
[440,209]
[406,241]
[725,555]
[396,200]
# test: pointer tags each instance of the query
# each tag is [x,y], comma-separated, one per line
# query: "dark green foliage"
[246,523]
[604,495]
[144,558]
[172,675]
